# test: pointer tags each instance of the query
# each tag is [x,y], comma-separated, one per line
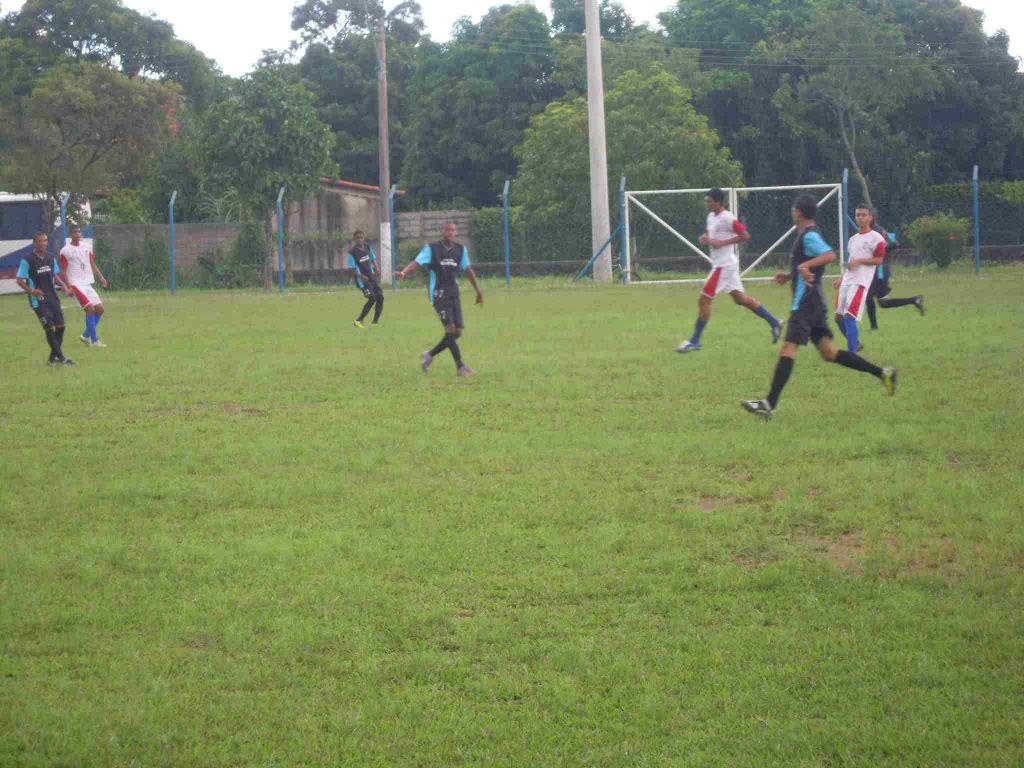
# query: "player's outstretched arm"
[411,267]
[472,279]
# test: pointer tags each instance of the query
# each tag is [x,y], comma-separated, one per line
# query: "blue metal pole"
[508,244]
[170,240]
[622,229]
[64,220]
[597,255]
[394,234]
[280,242]
[977,223]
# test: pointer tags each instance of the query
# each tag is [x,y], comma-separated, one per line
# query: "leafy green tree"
[654,135]
[473,98]
[85,126]
[848,88]
[105,31]
[568,17]
[264,136]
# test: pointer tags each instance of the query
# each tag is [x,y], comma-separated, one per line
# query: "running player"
[867,251]
[36,275]
[445,259]
[880,288]
[79,268]
[723,233]
[362,261]
[809,317]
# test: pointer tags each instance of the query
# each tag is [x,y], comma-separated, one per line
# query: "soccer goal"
[663,227]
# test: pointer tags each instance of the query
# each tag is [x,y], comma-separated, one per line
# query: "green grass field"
[246,534]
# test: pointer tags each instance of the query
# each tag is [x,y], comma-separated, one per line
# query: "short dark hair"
[357,233]
[73,227]
[39,234]
[865,207]
[716,194]
[807,206]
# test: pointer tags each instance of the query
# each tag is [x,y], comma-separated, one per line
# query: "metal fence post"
[622,230]
[394,234]
[508,244]
[63,220]
[977,222]
[845,215]
[280,241]
[170,240]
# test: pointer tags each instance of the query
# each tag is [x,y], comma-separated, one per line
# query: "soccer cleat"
[889,380]
[777,331]
[919,303]
[52,360]
[65,361]
[759,407]
[427,360]
[85,340]
[358,324]
[688,346]
[99,343]
[465,370]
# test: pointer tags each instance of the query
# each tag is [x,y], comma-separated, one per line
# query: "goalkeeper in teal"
[445,259]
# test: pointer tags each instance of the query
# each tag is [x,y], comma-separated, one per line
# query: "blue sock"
[697,331]
[95,324]
[852,334]
[841,325]
[764,313]
[90,326]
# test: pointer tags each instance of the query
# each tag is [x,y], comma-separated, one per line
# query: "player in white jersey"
[866,251]
[79,266]
[723,233]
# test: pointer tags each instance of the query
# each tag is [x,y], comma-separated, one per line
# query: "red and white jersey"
[724,226]
[76,263]
[863,246]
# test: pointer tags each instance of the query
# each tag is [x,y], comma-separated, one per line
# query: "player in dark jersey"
[445,259]
[36,275]
[809,316]
[362,261]
[880,288]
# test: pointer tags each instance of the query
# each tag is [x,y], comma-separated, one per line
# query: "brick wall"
[425,226]
[191,241]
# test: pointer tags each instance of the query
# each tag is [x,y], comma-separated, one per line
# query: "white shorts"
[86,295]
[722,279]
[850,301]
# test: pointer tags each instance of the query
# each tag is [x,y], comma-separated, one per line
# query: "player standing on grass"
[445,259]
[809,317]
[880,286]
[723,233]
[363,263]
[867,251]
[79,268]
[36,274]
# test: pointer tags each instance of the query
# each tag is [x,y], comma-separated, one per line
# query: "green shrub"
[940,238]
[146,267]
[489,232]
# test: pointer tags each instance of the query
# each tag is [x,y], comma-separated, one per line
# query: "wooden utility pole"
[600,223]
[383,158]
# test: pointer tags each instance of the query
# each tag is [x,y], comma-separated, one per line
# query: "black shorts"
[879,289]
[49,312]
[449,310]
[810,323]
[371,290]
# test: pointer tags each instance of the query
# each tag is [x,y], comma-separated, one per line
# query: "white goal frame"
[632,199]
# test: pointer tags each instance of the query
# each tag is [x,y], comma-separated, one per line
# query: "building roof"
[355,186]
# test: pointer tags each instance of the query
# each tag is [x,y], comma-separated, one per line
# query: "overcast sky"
[234,34]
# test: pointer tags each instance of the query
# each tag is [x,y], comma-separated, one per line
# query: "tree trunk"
[851,152]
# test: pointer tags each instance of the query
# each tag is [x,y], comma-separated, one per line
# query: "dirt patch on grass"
[844,551]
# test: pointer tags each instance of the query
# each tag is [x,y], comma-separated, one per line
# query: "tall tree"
[85,126]
[568,18]
[654,135]
[474,97]
[265,135]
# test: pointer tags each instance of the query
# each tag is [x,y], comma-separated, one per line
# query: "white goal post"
[639,203]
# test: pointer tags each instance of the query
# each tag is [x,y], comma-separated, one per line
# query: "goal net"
[663,228]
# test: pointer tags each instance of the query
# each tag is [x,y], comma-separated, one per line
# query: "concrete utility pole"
[383,159]
[600,223]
